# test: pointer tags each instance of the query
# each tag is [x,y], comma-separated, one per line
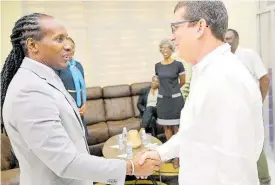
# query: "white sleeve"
[225,118]
[258,65]
[170,149]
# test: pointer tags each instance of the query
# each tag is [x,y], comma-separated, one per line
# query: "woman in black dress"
[170,101]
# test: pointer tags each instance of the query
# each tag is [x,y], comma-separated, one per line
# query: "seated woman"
[73,80]
[147,106]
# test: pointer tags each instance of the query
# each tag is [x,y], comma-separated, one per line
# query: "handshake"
[144,164]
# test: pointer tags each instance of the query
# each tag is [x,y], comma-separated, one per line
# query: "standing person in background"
[254,64]
[170,101]
[73,79]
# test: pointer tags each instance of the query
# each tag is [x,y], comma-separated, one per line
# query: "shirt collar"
[238,49]
[38,68]
[207,59]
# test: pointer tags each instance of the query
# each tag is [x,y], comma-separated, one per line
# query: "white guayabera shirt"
[221,131]
[252,61]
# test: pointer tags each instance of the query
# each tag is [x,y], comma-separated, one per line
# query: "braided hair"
[26,27]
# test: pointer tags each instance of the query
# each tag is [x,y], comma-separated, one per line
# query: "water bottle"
[144,138]
[125,135]
[129,150]
[120,142]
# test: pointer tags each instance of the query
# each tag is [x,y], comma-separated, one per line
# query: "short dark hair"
[236,34]
[214,13]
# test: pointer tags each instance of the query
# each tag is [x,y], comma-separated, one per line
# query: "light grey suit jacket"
[47,135]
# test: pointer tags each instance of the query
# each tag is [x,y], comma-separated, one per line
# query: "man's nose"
[172,38]
[67,47]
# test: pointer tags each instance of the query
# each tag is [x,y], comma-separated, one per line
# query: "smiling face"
[198,28]
[155,82]
[71,48]
[53,49]
[166,51]
[186,36]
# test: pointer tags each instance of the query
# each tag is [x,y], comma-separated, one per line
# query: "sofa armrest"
[10,177]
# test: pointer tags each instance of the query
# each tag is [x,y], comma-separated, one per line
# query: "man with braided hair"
[41,118]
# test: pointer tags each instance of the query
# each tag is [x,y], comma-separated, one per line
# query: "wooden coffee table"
[112,153]
[166,169]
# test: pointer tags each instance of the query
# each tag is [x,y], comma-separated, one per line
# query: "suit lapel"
[53,80]
[57,84]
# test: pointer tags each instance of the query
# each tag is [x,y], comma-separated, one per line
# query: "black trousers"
[149,120]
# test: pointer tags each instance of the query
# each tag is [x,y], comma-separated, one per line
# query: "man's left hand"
[82,109]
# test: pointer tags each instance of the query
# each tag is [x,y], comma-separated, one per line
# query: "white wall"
[242,17]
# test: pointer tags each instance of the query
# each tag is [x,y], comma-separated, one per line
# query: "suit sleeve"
[141,101]
[36,117]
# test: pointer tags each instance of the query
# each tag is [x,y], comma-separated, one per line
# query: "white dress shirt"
[152,98]
[252,61]
[221,131]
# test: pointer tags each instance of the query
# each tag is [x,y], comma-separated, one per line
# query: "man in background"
[255,65]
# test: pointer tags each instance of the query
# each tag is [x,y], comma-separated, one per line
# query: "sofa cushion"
[136,87]
[95,111]
[118,108]
[94,93]
[98,133]
[135,101]
[115,127]
[6,153]
[116,91]
[96,149]
[10,177]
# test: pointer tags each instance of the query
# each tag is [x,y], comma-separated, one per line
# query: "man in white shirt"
[250,59]
[221,130]
[255,65]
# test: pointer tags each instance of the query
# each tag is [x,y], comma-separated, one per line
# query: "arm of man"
[38,121]
[233,130]
[261,73]
[264,85]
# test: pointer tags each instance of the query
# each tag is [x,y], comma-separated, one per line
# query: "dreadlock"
[26,27]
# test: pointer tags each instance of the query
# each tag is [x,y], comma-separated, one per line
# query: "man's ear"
[201,28]
[32,45]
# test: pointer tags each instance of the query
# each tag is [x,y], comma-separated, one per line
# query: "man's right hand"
[144,165]
[149,155]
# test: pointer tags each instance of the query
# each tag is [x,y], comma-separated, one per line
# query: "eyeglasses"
[175,25]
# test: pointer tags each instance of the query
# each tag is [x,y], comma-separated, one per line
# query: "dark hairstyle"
[236,34]
[26,27]
[213,12]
